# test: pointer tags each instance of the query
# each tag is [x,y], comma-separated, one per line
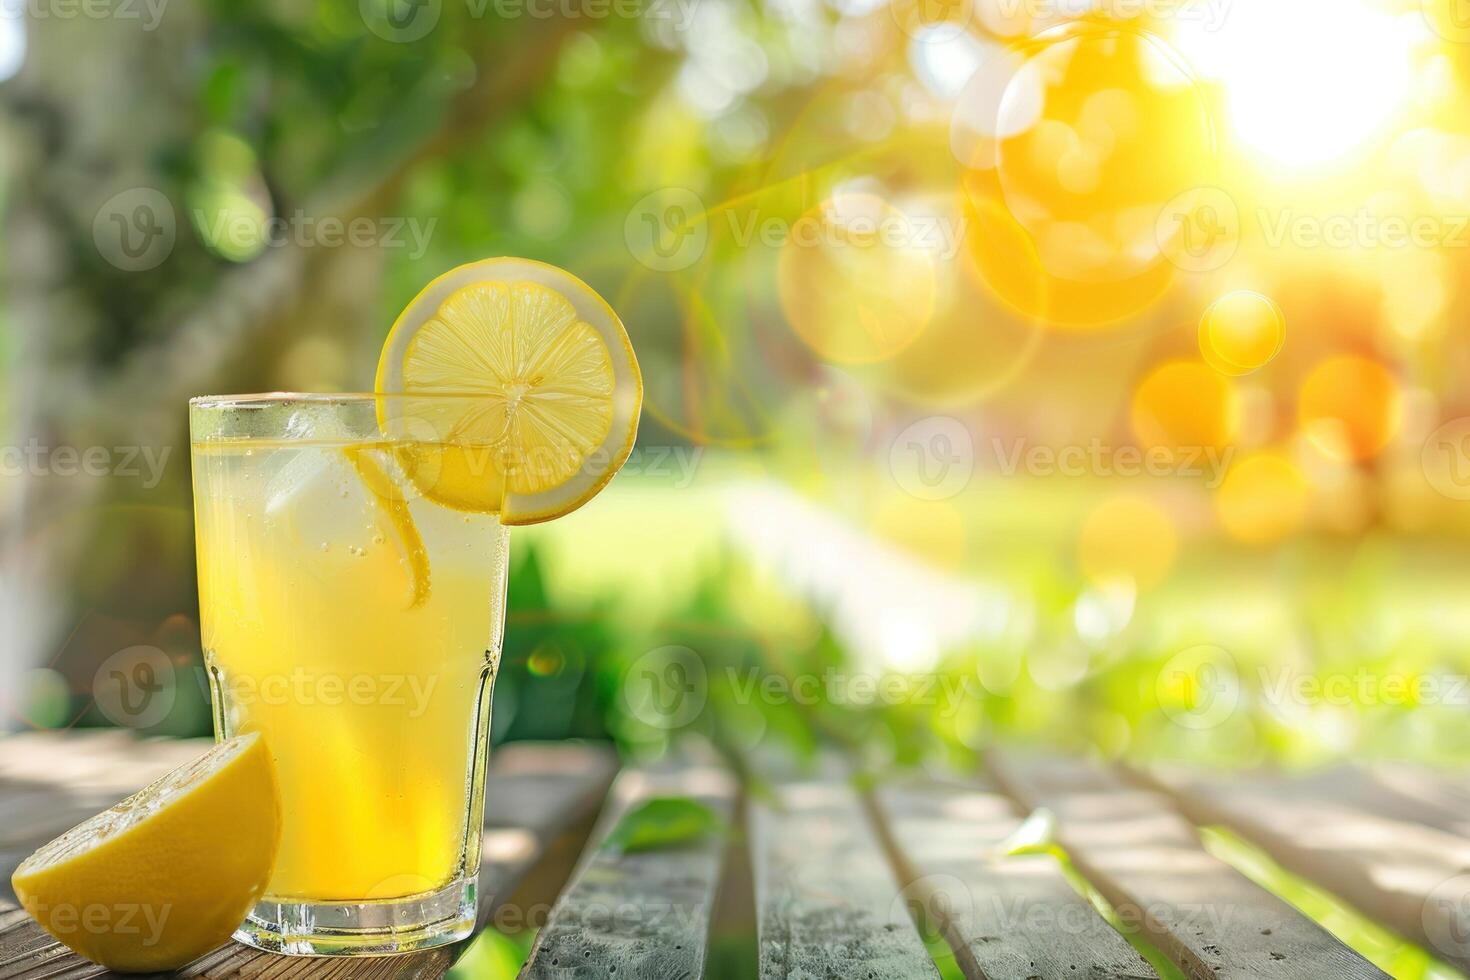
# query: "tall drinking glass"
[355,623]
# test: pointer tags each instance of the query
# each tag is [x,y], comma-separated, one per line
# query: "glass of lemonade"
[356,624]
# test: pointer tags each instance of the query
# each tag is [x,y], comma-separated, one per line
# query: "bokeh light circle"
[1184,405]
[856,279]
[1263,499]
[929,529]
[1127,538]
[1097,128]
[1241,332]
[1350,407]
[975,345]
[1004,259]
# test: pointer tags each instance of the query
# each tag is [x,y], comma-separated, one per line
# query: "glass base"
[373,928]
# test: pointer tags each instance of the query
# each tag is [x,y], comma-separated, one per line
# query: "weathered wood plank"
[534,793]
[1005,915]
[828,906]
[1407,795]
[109,758]
[644,913]
[1443,798]
[1345,831]
[1148,862]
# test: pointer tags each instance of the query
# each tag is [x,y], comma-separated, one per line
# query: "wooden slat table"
[1208,918]
[1401,860]
[644,913]
[1005,914]
[849,881]
[828,902]
[540,792]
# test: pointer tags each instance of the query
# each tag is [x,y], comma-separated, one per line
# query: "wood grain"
[645,913]
[1136,849]
[533,794]
[828,905]
[1395,858]
[1005,915]
[1443,798]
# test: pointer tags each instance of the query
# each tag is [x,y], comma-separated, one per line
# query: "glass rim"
[268,398]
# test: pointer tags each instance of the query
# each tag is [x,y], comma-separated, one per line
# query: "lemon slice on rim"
[166,875]
[555,390]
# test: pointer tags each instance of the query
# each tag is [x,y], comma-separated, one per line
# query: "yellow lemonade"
[356,626]
[352,577]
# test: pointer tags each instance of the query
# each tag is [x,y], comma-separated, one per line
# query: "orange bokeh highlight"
[1006,260]
[1350,407]
[1185,405]
[856,283]
[1101,126]
[1127,538]
[933,530]
[973,347]
[1241,332]
[1263,499]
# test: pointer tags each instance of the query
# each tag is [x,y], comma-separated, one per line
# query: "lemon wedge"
[556,390]
[166,875]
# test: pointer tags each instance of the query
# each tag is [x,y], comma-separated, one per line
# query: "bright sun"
[1307,81]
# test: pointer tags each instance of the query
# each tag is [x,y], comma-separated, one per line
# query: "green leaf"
[662,822]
